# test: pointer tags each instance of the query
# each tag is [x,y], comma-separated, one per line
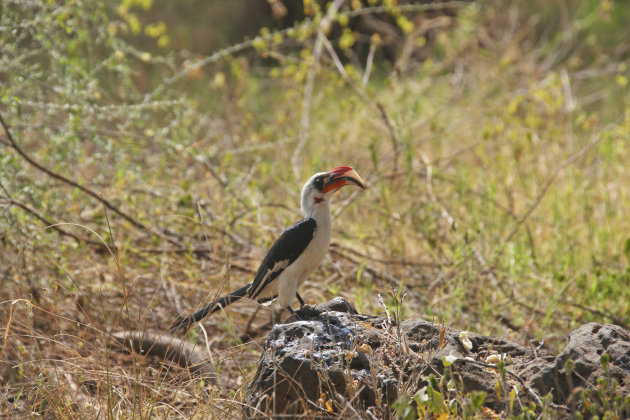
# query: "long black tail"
[217,305]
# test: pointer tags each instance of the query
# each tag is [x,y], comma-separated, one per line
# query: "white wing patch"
[278,266]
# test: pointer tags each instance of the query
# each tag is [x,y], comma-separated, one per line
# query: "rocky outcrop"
[580,364]
[329,359]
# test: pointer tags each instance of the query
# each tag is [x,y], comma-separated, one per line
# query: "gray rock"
[330,357]
[317,354]
[585,348]
[424,337]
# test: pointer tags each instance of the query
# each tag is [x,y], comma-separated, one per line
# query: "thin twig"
[532,392]
[568,162]
[372,258]
[376,105]
[305,120]
[614,319]
[389,318]
[408,8]
[368,66]
[49,223]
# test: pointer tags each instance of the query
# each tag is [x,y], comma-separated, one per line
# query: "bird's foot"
[295,315]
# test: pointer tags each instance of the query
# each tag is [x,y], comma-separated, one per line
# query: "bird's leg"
[290,309]
[299,298]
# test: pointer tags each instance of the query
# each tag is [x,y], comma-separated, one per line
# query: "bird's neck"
[320,212]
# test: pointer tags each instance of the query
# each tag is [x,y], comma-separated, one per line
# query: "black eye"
[319,183]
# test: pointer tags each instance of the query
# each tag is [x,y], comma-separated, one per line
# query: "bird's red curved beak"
[340,176]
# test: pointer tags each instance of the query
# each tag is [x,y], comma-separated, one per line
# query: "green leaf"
[477,398]
[436,401]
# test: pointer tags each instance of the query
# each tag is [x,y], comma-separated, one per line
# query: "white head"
[318,190]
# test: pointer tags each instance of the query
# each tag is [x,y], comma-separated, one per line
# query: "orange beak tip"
[344,175]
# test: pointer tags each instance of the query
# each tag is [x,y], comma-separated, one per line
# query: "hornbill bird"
[295,254]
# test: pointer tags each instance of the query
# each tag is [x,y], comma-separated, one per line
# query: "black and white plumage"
[296,253]
[287,248]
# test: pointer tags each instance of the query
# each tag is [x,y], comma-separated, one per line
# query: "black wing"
[287,248]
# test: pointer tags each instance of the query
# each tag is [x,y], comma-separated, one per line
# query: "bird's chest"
[315,252]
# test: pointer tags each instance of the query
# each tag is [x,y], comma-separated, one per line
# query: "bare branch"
[86,190]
